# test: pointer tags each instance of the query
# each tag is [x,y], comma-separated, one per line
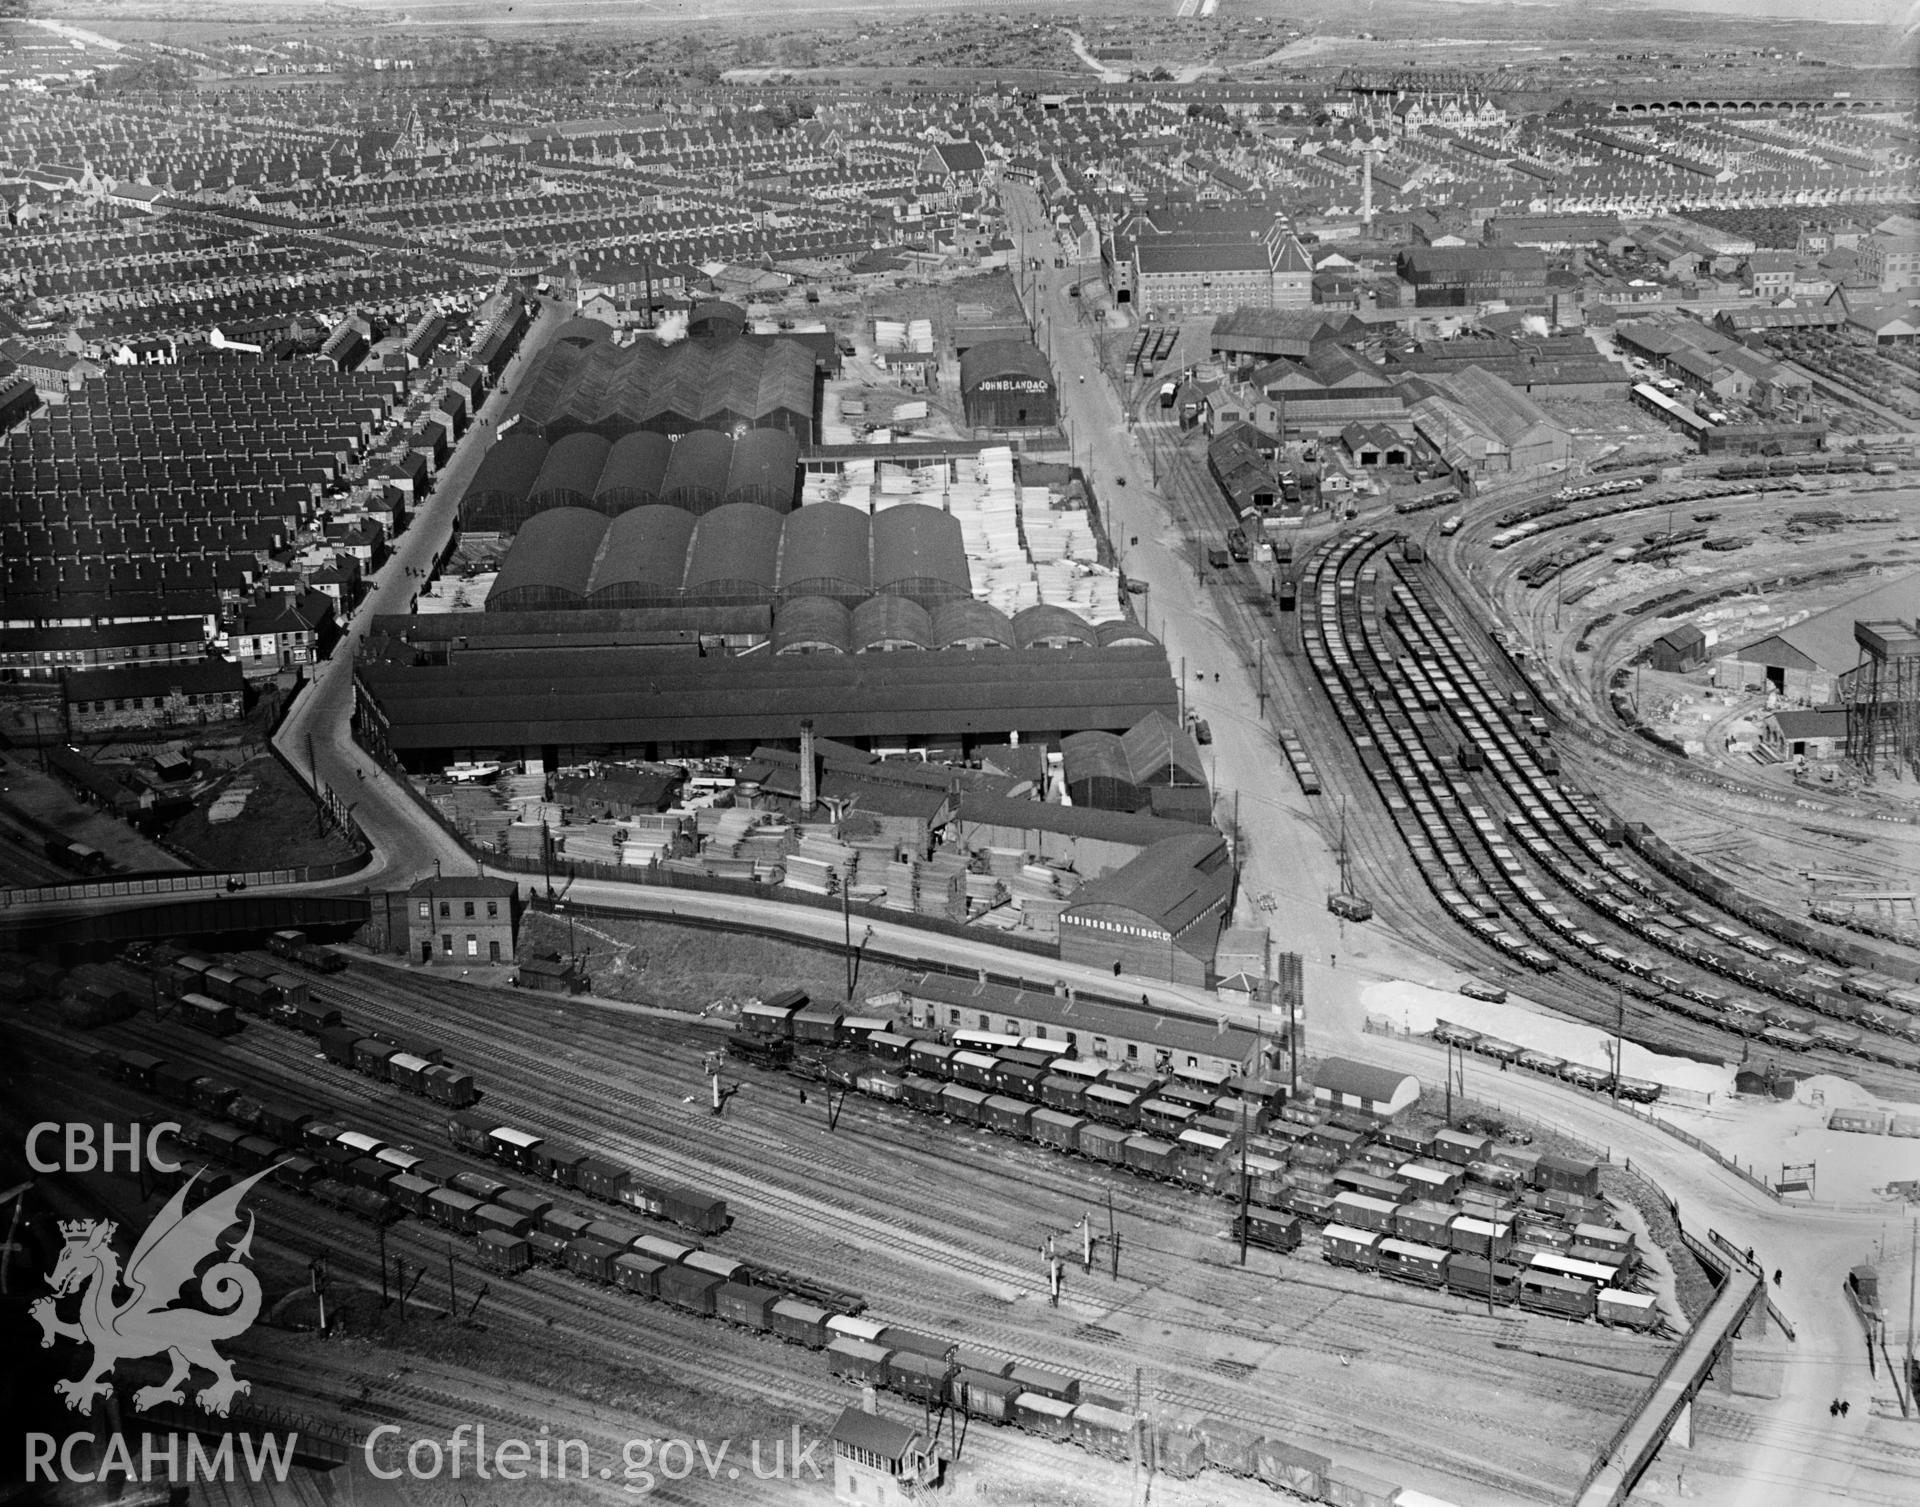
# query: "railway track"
[287,1060]
[1385,671]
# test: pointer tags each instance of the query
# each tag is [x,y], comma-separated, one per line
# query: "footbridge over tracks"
[1668,1403]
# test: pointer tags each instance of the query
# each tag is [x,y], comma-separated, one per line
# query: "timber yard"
[960,753]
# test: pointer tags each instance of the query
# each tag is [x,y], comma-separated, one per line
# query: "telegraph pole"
[1913,1266]
[846,920]
[1619,1029]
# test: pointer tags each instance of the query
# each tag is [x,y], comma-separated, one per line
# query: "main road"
[317,737]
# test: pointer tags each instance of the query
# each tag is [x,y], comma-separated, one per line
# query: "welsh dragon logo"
[149,1320]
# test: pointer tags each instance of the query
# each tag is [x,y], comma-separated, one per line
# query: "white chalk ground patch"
[1848,1168]
[228,806]
[1415,1007]
[1765,1134]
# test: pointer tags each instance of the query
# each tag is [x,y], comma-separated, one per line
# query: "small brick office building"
[462,919]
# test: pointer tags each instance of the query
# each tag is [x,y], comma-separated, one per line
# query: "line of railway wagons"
[1791,944]
[572,1167]
[1552,1282]
[1474,866]
[515,1228]
[295,947]
[1452,1189]
[247,988]
[1545,1063]
[211,995]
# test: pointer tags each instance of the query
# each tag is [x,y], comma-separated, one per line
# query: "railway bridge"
[1669,1402]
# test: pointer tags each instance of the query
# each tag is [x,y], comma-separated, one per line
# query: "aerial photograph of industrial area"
[1012,753]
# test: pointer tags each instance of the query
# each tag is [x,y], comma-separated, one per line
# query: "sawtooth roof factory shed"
[1006,384]
[569,705]
[703,469]
[694,384]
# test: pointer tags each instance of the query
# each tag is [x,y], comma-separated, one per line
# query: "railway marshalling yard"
[938,1226]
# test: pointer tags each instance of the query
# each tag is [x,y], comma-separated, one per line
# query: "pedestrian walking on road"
[1845,1408]
[1776,1276]
[1833,1408]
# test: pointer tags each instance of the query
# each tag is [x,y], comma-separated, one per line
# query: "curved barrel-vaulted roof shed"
[735,554]
[643,558]
[971,624]
[824,552]
[919,552]
[496,498]
[696,476]
[812,625]
[551,562]
[1048,626]
[636,467]
[882,624]
[571,473]
[765,469]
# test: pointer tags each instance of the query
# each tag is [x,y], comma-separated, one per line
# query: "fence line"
[186,882]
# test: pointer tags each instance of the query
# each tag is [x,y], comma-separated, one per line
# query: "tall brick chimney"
[809,797]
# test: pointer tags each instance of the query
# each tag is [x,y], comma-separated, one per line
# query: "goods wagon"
[1296,1470]
[1046,1416]
[687,1288]
[1052,1384]
[501,1252]
[1147,1154]
[412,1194]
[209,1015]
[454,1210]
[1343,1486]
[1343,1245]
[533,1205]
[548,1250]
[298,1172]
[972,1068]
[1104,1431]
[1629,1310]
[1547,1292]
[920,1378]
[590,1258]
[981,1394]
[598,1179]
[1410,1261]
[797,1322]
[565,1224]
[1103,1143]
[504,1221]
[1008,1116]
[915,1343]
[638,1274]
[860,1360]
[1229,1446]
